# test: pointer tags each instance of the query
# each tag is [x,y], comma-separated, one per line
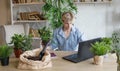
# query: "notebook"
[83,53]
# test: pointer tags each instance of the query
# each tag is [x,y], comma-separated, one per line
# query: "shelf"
[24,4]
[36,38]
[107,2]
[27,21]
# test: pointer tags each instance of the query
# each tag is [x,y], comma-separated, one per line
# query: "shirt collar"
[62,33]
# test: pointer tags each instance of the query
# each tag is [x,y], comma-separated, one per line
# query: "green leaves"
[27,43]
[23,42]
[17,40]
[116,41]
[53,10]
[101,48]
[5,51]
[45,34]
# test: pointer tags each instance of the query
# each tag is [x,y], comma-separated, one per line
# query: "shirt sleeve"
[54,42]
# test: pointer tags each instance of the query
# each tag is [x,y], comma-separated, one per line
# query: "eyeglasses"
[66,20]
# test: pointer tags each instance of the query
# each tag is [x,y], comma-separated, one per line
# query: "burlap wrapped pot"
[25,63]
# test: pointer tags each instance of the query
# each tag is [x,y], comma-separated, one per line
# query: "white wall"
[94,20]
[116,15]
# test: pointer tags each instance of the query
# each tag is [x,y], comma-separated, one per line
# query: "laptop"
[83,53]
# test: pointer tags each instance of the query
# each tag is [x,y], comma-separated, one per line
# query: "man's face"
[67,20]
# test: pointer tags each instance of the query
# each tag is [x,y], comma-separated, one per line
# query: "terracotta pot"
[98,60]
[17,52]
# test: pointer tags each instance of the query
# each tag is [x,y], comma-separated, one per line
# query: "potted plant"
[5,52]
[17,42]
[45,35]
[100,48]
[53,10]
[21,43]
[116,46]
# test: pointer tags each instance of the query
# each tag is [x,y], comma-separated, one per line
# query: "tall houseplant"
[116,46]
[53,10]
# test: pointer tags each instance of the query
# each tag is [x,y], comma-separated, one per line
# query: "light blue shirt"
[66,44]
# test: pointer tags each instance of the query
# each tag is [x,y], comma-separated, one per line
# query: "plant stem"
[118,62]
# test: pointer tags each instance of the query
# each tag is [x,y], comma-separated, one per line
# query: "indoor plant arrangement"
[101,48]
[21,43]
[5,52]
[53,10]
[116,46]
[45,35]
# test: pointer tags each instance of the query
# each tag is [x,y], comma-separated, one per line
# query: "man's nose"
[66,21]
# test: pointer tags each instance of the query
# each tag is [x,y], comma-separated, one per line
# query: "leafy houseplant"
[116,46]
[21,43]
[17,40]
[45,35]
[5,52]
[53,10]
[101,48]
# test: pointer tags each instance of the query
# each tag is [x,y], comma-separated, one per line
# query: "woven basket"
[25,63]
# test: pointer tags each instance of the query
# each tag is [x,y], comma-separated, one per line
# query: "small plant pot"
[4,61]
[98,60]
[17,52]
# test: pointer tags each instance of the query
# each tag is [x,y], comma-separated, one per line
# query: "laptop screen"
[84,48]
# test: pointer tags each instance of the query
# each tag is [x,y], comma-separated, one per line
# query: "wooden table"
[60,64]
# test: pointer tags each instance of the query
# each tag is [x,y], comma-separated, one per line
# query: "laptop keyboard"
[74,58]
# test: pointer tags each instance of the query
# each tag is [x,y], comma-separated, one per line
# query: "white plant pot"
[98,60]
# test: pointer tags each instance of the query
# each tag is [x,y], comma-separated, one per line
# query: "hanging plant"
[54,8]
